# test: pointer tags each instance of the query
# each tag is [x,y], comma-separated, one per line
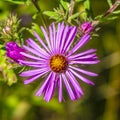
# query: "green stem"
[35,2]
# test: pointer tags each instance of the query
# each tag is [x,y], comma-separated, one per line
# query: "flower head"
[13,51]
[58,61]
[87,27]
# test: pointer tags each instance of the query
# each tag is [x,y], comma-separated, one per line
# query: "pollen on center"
[58,63]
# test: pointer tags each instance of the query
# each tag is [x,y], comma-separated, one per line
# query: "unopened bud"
[13,51]
[86,27]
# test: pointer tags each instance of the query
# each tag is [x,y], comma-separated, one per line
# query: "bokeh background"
[100,102]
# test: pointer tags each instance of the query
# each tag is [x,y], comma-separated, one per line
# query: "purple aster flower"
[87,27]
[58,61]
[13,51]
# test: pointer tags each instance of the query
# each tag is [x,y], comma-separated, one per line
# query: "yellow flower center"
[58,63]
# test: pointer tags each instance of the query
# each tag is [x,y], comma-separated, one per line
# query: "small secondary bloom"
[13,51]
[59,61]
[86,27]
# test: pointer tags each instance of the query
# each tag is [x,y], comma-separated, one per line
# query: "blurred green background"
[100,102]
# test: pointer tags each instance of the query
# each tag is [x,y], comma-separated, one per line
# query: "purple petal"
[81,77]
[51,38]
[34,78]
[84,57]
[87,56]
[40,54]
[63,38]
[77,91]
[31,56]
[43,87]
[84,71]
[59,36]
[69,89]
[74,82]
[85,62]
[84,39]
[34,45]
[50,89]
[71,37]
[54,35]
[82,53]
[60,89]
[46,37]
[41,42]
[34,72]
[39,63]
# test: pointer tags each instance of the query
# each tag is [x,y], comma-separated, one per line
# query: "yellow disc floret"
[58,63]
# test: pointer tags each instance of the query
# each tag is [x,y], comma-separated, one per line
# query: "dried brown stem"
[115,5]
[72,2]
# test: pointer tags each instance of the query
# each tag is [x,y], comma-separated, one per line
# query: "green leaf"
[51,14]
[74,16]
[109,2]
[36,28]
[112,18]
[65,5]
[98,17]
[35,16]
[87,6]
[79,0]
[116,12]
[19,1]
[57,14]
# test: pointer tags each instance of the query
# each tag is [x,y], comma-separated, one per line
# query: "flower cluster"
[57,60]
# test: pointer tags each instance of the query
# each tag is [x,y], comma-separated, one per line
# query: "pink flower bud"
[13,51]
[86,27]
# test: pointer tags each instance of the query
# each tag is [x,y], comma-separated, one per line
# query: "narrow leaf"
[65,5]
[50,13]
[19,1]
[74,16]
[79,0]
[116,12]
[87,6]
[109,2]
